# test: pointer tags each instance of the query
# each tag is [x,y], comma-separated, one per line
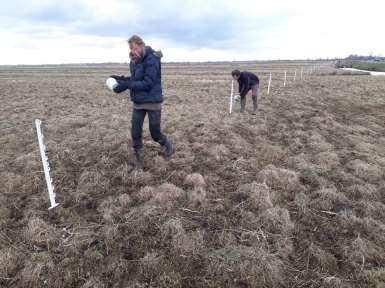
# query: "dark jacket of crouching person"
[247,81]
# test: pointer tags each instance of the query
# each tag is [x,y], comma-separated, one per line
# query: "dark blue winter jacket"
[246,81]
[145,82]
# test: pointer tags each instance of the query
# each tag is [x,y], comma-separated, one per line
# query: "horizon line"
[175,62]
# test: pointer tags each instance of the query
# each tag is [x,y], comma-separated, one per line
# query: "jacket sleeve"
[244,87]
[150,76]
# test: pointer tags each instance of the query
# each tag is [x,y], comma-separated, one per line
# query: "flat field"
[291,197]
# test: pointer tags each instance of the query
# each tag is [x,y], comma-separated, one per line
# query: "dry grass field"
[291,197]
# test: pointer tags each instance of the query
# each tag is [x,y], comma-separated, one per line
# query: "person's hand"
[122,86]
[117,77]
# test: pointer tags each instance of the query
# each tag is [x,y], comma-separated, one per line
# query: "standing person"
[247,81]
[146,94]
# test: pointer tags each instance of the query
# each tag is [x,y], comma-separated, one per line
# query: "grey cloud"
[183,23]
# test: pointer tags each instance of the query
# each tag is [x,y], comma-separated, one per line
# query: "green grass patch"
[362,65]
[371,66]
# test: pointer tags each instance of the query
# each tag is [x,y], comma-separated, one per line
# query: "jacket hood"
[148,50]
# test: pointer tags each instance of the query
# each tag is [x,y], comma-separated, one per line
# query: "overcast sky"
[84,31]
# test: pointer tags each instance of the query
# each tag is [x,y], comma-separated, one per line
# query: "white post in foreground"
[295,75]
[284,80]
[301,73]
[231,96]
[44,159]
[268,86]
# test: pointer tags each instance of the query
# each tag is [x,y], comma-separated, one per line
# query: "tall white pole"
[301,72]
[231,96]
[284,80]
[44,159]
[268,86]
[295,74]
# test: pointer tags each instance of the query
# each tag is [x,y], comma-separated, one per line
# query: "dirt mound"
[144,194]
[257,195]
[366,171]
[168,192]
[245,266]
[195,180]
[9,262]
[279,178]
[197,192]
[41,234]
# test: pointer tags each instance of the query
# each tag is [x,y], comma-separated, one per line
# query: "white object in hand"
[111,83]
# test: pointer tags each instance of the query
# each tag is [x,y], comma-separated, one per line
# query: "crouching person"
[146,94]
[247,81]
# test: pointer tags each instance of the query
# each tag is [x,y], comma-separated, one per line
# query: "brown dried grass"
[197,196]
[366,171]
[195,180]
[313,132]
[168,192]
[40,233]
[257,195]
[9,262]
[244,266]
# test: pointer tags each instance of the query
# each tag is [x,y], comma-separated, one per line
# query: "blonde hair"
[135,39]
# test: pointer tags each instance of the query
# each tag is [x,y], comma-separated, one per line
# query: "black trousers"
[154,119]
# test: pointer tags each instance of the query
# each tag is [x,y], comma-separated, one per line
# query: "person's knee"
[155,131]
[136,134]
[155,134]
[136,128]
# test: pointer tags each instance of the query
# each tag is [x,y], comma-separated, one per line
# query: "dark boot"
[168,149]
[138,159]
[243,104]
[255,104]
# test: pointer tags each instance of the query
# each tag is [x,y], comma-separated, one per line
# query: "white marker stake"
[231,96]
[44,159]
[295,74]
[284,80]
[268,86]
[301,73]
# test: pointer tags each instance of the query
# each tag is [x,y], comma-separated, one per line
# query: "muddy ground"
[291,197]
